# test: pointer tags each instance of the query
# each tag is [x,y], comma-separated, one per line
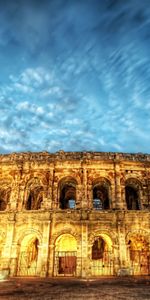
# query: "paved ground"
[104,288]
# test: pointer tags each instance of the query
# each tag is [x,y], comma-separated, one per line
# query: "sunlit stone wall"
[82,214]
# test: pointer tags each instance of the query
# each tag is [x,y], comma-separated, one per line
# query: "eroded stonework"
[75,214]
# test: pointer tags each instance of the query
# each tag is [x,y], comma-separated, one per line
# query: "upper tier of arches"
[69,193]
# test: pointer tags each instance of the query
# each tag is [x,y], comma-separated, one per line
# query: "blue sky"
[75,75]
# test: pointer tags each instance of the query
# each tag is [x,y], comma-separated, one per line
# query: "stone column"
[55,203]
[9,240]
[90,196]
[84,194]
[84,249]
[47,193]
[44,250]
[113,196]
[14,196]
[140,199]
[50,189]
[51,257]
[14,259]
[21,200]
[121,239]
[80,196]
[119,202]
[123,196]
[12,204]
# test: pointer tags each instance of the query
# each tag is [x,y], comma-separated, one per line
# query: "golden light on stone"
[66,242]
[74,214]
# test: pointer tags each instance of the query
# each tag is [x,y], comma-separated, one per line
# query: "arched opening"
[34,196]
[4,198]
[68,194]
[3,205]
[132,192]
[101,256]
[65,255]
[28,256]
[98,248]
[131,198]
[101,196]
[139,255]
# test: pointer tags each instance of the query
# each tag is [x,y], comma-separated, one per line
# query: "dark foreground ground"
[105,288]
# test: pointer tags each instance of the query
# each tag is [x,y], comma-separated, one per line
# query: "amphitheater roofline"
[83,155]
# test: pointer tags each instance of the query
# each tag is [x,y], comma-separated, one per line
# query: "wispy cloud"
[75,75]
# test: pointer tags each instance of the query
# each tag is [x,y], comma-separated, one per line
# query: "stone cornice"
[71,156]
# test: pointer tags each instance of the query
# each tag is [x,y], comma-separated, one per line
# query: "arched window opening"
[132,199]
[2,205]
[4,198]
[98,248]
[100,197]
[29,202]
[68,196]
[34,199]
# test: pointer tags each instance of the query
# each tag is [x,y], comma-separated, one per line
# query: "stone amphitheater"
[74,214]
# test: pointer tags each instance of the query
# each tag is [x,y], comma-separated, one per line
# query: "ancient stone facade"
[75,214]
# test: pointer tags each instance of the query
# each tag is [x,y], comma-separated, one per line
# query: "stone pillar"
[55,203]
[47,193]
[44,250]
[122,241]
[90,196]
[14,196]
[14,259]
[12,204]
[9,240]
[21,195]
[50,189]
[51,256]
[113,197]
[51,261]
[123,196]
[79,196]
[84,194]
[84,249]
[140,199]
[119,202]
[16,199]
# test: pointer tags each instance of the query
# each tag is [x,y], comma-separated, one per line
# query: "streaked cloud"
[75,75]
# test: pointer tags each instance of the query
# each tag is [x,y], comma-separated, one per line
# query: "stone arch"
[33,196]
[135,233]
[69,231]
[133,193]
[101,193]
[23,232]
[28,253]
[138,246]
[104,235]
[65,255]
[66,242]
[67,192]
[101,254]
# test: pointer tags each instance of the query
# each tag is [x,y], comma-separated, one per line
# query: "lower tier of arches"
[71,255]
